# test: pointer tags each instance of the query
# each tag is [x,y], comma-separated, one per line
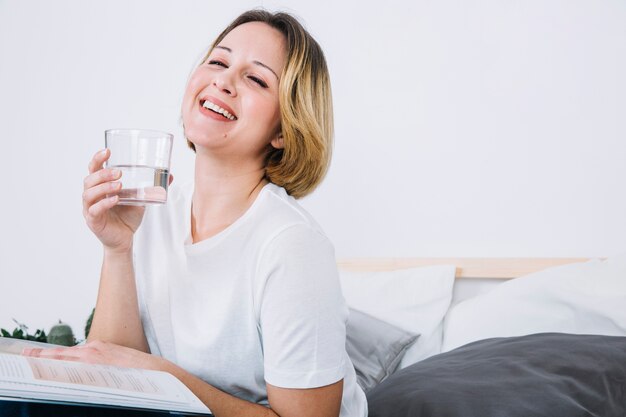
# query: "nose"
[224,83]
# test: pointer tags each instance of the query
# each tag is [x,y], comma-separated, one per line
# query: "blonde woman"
[231,286]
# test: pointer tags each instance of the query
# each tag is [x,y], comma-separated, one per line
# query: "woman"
[232,287]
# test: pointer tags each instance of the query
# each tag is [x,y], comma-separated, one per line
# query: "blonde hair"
[306,109]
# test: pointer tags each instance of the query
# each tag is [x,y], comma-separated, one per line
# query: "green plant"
[60,333]
[21,332]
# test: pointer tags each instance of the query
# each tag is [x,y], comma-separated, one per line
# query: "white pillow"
[581,298]
[414,299]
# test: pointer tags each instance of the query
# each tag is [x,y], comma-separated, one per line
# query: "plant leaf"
[40,336]
[18,333]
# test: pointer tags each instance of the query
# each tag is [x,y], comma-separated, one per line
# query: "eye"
[219,63]
[258,81]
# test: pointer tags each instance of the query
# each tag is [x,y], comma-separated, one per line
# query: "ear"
[278,142]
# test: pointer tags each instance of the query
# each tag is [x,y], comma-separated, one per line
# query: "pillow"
[585,297]
[549,374]
[375,347]
[414,299]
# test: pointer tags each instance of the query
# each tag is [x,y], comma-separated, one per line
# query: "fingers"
[97,352]
[100,176]
[102,206]
[170,180]
[97,162]
[99,183]
[52,353]
[94,194]
[31,351]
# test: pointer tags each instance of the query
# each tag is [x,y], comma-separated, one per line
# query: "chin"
[205,140]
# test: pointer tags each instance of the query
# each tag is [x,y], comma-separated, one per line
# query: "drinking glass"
[143,156]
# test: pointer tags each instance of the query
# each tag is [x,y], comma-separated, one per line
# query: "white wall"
[463,128]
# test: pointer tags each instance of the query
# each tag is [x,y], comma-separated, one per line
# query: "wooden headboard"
[500,268]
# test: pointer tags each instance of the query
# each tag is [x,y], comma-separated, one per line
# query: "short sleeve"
[302,312]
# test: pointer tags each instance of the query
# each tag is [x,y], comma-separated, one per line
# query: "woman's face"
[231,100]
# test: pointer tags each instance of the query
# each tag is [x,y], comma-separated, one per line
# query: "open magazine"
[30,378]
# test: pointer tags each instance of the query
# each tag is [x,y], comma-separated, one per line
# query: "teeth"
[211,106]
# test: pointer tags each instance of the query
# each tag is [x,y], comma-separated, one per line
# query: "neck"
[223,192]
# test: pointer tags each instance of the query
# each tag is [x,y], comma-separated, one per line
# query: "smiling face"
[231,100]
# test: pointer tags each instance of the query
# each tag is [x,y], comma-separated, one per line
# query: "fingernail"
[103,152]
[115,173]
[113,199]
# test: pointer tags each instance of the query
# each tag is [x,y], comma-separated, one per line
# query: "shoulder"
[289,225]
[277,199]
[297,247]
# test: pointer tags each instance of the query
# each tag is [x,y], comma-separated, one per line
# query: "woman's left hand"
[101,353]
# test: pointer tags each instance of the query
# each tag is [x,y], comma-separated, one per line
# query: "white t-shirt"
[258,302]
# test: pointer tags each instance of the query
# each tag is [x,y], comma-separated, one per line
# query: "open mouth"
[217,109]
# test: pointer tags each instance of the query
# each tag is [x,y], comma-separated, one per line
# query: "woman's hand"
[113,224]
[101,353]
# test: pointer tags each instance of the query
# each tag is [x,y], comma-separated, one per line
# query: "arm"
[117,314]
[313,402]
[116,318]
[302,318]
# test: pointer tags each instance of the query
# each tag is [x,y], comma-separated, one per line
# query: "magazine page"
[15,346]
[92,383]
[18,390]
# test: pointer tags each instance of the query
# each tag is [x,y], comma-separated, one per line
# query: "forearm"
[116,319]
[220,403]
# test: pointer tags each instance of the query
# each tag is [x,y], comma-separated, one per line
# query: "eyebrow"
[255,62]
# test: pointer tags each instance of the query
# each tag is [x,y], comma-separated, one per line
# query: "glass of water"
[143,157]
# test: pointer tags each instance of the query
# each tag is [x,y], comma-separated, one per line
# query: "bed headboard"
[498,268]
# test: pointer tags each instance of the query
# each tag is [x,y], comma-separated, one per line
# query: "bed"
[490,337]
